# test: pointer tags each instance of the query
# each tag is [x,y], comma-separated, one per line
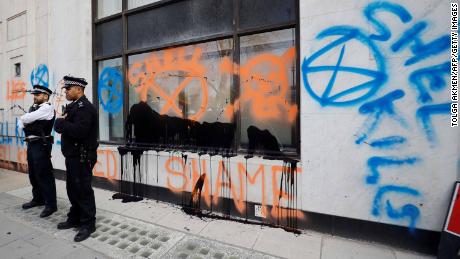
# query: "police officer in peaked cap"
[37,125]
[79,127]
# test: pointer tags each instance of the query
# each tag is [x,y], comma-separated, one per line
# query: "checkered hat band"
[68,83]
[37,90]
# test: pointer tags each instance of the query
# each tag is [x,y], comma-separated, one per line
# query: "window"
[108,7]
[267,85]
[179,21]
[17,69]
[110,95]
[185,92]
[206,74]
[110,38]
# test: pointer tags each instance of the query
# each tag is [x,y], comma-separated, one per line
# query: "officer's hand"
[61,116]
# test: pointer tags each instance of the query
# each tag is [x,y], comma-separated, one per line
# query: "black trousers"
[80,191]
[41,172]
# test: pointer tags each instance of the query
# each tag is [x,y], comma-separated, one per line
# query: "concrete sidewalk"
[150,229]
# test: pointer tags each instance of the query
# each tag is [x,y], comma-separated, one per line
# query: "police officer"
[37,125]
[79,127]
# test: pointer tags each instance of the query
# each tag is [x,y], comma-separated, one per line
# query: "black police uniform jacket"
[78,129]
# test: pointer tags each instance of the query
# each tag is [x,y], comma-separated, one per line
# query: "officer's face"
[40,98]
[71,93]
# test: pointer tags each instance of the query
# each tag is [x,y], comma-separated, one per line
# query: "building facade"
[297,112]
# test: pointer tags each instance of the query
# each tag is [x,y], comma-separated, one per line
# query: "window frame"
[235,84]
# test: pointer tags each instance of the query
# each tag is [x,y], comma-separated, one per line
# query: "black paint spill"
[126,197]
[195,199]
[145,126]
[130,191]
[288,185]
[148,130]
[201,215]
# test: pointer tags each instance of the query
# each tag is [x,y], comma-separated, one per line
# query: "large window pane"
[254,13]
[185,94]
[110,95]
[267,90]
[109,38]
[179,21]
[108,7]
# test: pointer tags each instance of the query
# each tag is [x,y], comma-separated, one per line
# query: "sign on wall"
[452,225]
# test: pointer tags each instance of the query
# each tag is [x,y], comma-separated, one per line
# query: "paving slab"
[304,246]
[337,248]
[242,235]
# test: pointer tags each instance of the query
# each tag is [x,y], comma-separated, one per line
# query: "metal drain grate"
[121,237]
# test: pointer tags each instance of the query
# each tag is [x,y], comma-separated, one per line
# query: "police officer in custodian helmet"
[79,127]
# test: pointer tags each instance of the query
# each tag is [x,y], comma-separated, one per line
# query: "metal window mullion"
[236,77]
[125,66]
[94,62]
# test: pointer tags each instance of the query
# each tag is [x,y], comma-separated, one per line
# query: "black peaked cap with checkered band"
[39,89]
[74,81]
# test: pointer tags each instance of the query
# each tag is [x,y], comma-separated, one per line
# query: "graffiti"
[397,10]
[40,76]
[408,210]
[110,90]
[5,137]
[424,114]
[375,162]
[435,75]
[420,50]
[106,165]
[173,64]
[376,109]
[388,142]
[18,135]
[385,128]
[267,92]
[16,90]
[237,181]
[378,76]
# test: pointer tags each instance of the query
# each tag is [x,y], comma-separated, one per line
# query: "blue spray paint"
[424,114]
[40,76]
[110,90]
[425,81]
[435,75]
[408,210]
[373,8]
[375,162]
[388,142]
[420,50]
[409,36]
[378,77]
[19,135]
[376,109]
[5,138]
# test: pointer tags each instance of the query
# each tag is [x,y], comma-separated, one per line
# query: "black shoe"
[32,204]
[67,225]
[47,211]
[84,233]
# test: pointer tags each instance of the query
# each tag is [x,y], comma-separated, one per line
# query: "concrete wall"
[45,57]
[385,153]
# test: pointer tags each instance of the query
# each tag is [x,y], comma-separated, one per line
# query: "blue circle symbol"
[110,90]
[349,96]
